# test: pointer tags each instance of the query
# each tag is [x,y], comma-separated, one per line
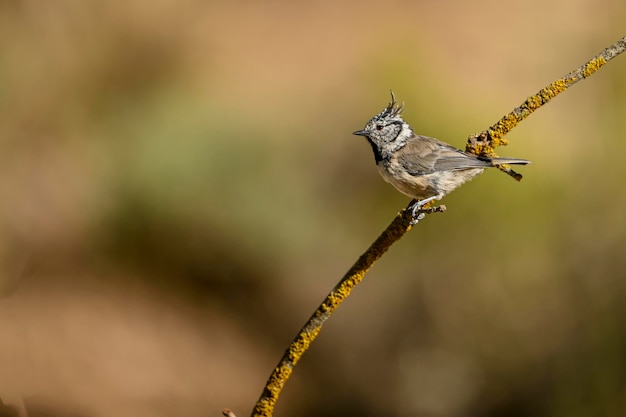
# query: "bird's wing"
[423,155]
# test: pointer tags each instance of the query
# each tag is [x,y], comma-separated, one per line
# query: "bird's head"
[387,132]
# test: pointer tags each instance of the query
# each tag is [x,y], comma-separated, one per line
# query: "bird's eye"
[379,127]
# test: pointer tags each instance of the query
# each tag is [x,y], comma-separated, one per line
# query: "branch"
[401,224]
[484,143]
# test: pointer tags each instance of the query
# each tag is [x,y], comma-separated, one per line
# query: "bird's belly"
[436,184]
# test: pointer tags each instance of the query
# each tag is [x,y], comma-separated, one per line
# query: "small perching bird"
[421,167]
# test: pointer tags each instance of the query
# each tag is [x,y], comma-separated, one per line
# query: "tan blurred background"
[179,189]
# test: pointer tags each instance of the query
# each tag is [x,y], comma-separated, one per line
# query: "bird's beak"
[360,133]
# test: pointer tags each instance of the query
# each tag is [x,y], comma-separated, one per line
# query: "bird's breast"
[436,184]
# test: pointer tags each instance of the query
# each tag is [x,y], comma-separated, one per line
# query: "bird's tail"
[509,161]
[503,165]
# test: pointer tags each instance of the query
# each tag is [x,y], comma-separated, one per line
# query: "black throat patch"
[378,156]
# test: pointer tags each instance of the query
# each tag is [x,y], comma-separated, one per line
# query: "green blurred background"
[179,189]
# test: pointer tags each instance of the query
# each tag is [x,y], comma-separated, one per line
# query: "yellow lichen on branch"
[593,65]
[484,143]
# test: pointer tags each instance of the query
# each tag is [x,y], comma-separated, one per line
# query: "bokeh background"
[179,189]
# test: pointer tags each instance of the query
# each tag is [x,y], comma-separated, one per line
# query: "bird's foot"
[418,210]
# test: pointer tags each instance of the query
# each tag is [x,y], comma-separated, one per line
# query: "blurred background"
[179,189]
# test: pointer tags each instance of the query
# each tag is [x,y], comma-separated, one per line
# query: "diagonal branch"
[401,224]
[482,144]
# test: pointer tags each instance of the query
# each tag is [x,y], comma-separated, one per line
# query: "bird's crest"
[393,109]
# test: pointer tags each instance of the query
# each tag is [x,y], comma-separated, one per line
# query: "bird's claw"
[416,209]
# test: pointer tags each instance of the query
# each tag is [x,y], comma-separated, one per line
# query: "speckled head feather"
[393,109]
[387,132]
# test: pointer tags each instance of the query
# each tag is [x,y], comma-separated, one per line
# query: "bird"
[421,167]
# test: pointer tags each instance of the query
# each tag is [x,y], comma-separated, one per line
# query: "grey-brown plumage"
[419,166]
